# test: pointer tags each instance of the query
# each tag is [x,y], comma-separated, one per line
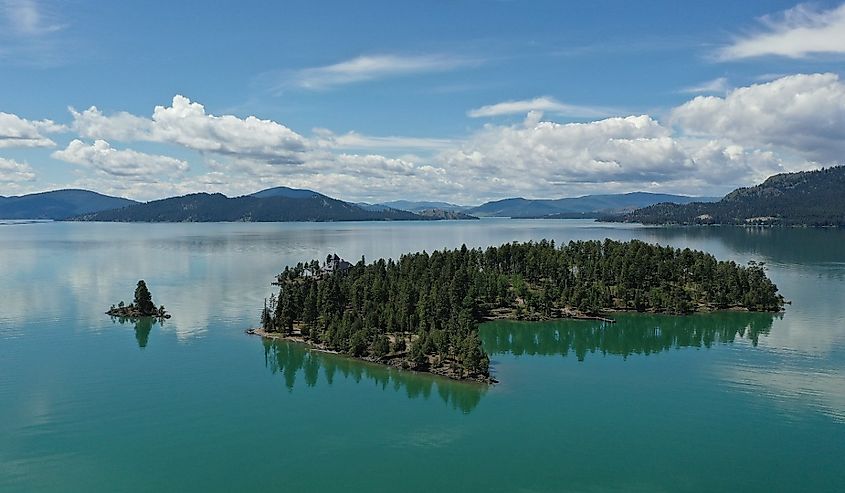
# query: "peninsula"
[142,306]
[422,311]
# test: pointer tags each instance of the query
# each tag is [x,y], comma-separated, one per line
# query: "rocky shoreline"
[132,312]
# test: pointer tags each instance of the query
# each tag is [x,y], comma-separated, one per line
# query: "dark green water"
[718,402]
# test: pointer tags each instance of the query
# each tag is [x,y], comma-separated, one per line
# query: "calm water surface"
[718,402]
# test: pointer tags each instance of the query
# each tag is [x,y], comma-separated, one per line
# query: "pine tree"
[143,299]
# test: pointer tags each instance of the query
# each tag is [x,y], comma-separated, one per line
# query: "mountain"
[274,206]
[807,198]
[417,206]
[441,214]
[586,206]
[291,193]
[376,207]
[58,204]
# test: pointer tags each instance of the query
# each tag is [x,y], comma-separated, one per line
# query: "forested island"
[422,311]
[142,306]
[807,198]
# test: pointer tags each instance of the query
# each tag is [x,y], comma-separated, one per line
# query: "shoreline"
[394,360]
[400,362]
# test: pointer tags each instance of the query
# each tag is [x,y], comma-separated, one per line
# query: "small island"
[422,311]
[142,306]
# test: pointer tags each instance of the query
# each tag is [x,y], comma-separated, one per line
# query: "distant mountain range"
[810,198]
[586,206]
[271,205]
[58,204]
[807,198]
[293,204]
[418,206]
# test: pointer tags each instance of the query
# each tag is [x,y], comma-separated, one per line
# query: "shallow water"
[728,401]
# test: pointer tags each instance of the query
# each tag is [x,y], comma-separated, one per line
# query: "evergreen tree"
[143,299]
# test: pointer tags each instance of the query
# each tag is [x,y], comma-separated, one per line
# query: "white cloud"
[370,67]
[187,124]
[33,34]
[12,171]
[27,18]
[121,163]
[545,104]
[712,145]
[716,85]
[19,132]
[795,33]
[355,140]
[801,113]
[542,159]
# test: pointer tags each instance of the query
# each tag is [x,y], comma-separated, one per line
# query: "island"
[142,306]
[422,312]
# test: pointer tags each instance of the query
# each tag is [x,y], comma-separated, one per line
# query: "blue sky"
[462,101]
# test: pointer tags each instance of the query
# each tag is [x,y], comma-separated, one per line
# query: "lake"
[714,402]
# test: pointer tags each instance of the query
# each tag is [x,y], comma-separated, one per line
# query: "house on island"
[312,269]
[335,264]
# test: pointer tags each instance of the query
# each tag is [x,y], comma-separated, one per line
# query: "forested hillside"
[423,310]
[204,207]
[58,204]
[809,198]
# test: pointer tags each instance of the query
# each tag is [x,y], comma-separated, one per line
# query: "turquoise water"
[729,401]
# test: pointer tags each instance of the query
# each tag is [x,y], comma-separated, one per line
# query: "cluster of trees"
[142,306]
[807,198]
[426,307]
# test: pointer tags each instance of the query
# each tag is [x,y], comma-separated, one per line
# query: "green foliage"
[441,297]
[381,346]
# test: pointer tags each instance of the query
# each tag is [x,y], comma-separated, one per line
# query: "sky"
[463,101]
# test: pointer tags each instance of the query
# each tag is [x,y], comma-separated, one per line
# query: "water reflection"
[143,327]
[293,361]
[632,334]
[802,246]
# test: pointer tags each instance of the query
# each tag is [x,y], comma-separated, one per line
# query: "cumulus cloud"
[12,171]
[121,163]
[545,104]
[370,67]
[706,146]
[547,159]
[19,132]
[802,113]
[187,124]
[795,33]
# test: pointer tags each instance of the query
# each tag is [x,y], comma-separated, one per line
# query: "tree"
[381,346]
[143,299]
